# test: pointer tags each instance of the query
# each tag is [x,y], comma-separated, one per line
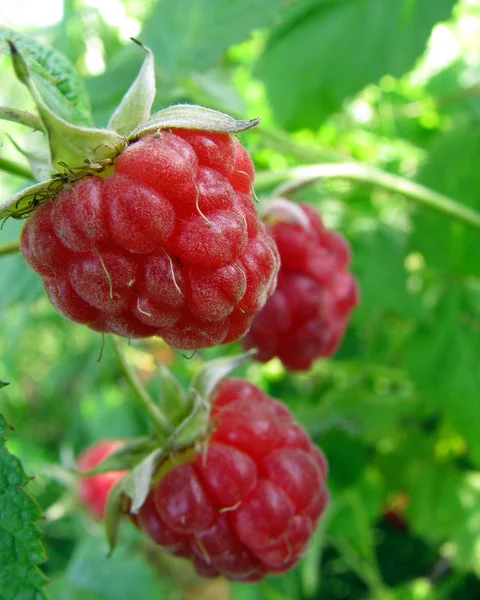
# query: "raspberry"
[307,315]
[93,491]
[167,244]
[248,504]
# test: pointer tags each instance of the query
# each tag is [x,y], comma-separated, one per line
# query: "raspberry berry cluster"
[307,315]
[167,243]
[249,502]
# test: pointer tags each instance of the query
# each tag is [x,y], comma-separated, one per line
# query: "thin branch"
[21,117]
[9,248]
[299,177]
[162,425]
[15,169]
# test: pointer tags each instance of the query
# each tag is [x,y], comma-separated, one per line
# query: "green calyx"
[76,151]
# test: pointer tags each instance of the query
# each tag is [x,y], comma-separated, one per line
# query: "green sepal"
[25,201]
[38,160]
[196,425]
[135,107]
[124,458]
[133,488]
[70,144]
[211,373]
[3,384]
[173,399]
[190,116]
[113,514]
[282,209]
[137,483]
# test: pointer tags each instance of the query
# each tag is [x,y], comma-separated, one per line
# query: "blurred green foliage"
[397,410]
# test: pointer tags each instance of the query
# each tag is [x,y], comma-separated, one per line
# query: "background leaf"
[59,84]
[447,244]
[442,357]
[20,547]
[332,49]
[191,35]
[93,574]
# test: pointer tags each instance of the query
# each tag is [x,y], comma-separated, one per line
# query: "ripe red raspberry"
[307,315]
[249,502]
[93,491]
[169,243]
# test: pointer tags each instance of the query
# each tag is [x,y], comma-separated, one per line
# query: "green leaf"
[190,35]
[454,517]
[432,519]
[445,243]
[442,357]
[55,77]
[68,143]
[379,264]
[347,457]
[123,576]
[333,49]
[20,547]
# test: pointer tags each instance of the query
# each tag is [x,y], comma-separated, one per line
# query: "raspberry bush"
[139,210]
[307,315]
[249,502]
[167,244]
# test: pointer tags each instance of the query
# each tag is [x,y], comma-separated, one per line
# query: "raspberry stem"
[9,248]
[160,422]
[22,117]
[299,177]
[14,168]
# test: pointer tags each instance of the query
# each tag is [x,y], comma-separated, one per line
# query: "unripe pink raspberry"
[93,490]
[168,243]
[248,504]
[307,315]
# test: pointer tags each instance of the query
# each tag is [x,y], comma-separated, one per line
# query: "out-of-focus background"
[394,84]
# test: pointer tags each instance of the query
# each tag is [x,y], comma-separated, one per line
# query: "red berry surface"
[307,315]
[167,244]
[249,503]
[93,490]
